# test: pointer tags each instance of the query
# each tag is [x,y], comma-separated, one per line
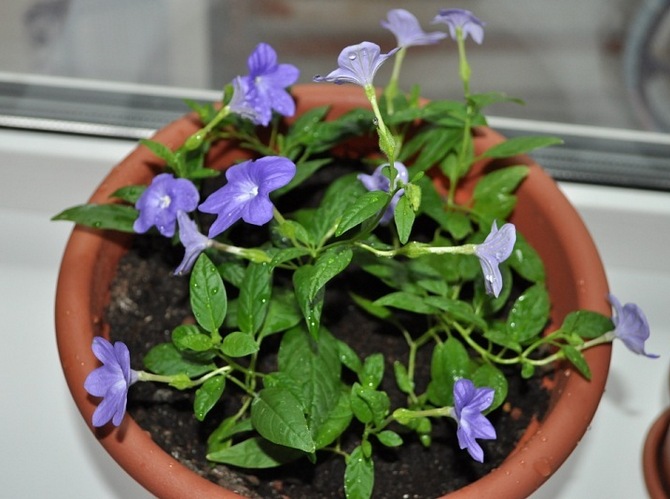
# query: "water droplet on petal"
[352,57]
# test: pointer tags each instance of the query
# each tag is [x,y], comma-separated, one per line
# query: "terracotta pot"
[575,278]
[656,457]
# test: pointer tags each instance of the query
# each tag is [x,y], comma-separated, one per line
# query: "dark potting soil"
[148,301]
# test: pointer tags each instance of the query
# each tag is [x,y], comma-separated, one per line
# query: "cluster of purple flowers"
[359,63]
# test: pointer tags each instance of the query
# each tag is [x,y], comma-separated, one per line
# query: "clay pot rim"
[531,452]
[652,465]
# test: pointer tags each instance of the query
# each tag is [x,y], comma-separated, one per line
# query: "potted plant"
[441,231]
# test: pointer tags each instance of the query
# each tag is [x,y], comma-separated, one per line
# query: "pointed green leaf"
[359,475]
[254,299]
[311,308]
[239,344]
[366,206]
[490,376]
[577,359]
[208,295]
[130,193]
[404,219]
[278,416]
[164,358]
[520,145]
[586,324]
[450,362]
[191,337]
[255,453]
[331,263]
[101,216]
[389,438]
[208,395]
[529,314]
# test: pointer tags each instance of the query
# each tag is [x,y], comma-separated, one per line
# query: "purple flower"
[159,203]
[407,29]
[194,242]
[379,181]
[463,19]
[266,84]
[357,64]
[247,193]
[239,103]
[110,381]
[631,326]
[469,402]
[495,249]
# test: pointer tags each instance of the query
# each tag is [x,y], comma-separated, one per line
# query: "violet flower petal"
[110,381]
[495,249]
[161,200]
[631,326]
[193,241]
[378,181]
[407,30]
[266,84]
[358,64]
[240,102]
[246,195]
[469,403]
[464,19]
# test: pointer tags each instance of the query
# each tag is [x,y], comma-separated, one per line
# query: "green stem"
[392,88]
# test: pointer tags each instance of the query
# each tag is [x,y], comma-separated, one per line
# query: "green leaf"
[586,324]
[334,425]
[294,231]
[342,193]
[283,313]
[166,154]
[359,475]
[311,308]
[208,395]
[497,182]
[165,359]
[239,344]
[457,310]
[372,309]
[526,261]
[432,145]
[227,428]
[254,299]
[372,372]
[130,193]
[497,333]
[520,145]
[369,405]
[328,265]
[317,372]
[255,453]
[278,416]
[529,314]
[404,219]
[389,438]
[208,295]
[402,378]
[490,376]
[450,362]
[577,359]
[101,216]
[349,357]
[190,337]
[486,99]
[365,207]
[406,301]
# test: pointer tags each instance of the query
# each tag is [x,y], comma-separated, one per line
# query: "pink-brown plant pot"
[575,279]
